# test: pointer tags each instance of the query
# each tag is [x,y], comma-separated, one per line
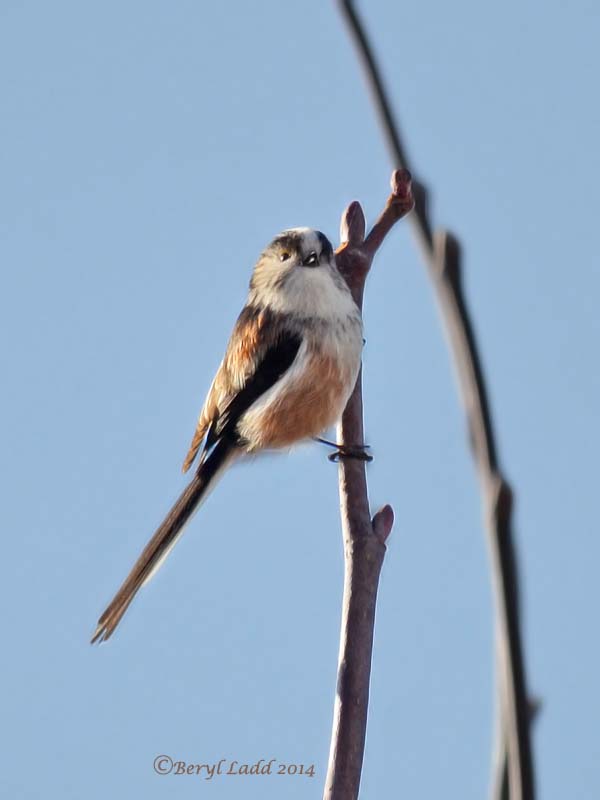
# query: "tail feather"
[164,539]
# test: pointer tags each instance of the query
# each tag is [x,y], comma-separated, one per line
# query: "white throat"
[311,292]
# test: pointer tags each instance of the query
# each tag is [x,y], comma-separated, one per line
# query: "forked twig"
[364,538]
[441,253]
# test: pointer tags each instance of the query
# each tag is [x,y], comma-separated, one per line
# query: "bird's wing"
[261,349]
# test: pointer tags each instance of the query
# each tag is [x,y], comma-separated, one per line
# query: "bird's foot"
[359,452]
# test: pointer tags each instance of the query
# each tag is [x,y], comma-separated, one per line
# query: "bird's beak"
[311,260]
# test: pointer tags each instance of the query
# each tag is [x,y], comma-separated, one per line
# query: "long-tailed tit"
[288,371]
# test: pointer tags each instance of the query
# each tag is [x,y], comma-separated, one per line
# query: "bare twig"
[441,253]
[364,538]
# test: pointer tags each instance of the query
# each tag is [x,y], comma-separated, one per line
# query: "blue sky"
[149,151]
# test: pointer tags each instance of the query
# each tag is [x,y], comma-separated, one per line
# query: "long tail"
[164,539]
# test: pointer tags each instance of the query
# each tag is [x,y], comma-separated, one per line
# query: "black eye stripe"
[288,241]
[326,248]
[293,242]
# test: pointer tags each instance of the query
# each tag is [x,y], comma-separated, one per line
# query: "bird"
[289,368]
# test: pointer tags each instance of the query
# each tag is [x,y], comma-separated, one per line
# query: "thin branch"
[441,253]
[364,538]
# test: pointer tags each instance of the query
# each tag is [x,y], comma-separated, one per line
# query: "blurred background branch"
[514,776]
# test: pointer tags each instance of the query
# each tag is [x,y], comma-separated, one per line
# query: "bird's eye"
[284,256]
[311,259]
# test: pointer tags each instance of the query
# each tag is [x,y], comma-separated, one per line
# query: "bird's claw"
[351,451]
[357,451]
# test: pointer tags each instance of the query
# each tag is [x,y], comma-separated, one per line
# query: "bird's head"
[297,272]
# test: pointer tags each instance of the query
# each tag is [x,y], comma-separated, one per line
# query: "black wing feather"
[276,360]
